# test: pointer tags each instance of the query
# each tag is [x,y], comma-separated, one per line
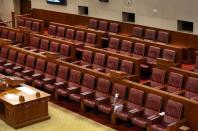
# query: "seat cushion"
[75,97]
[122,115]
[9,71]
[18,74]
[62,92]
[158,127]
[49,87]
[28,79]
[38,83]
[105,108]
[139,121]
[90,102]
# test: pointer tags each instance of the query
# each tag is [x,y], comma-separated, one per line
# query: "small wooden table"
[22,113]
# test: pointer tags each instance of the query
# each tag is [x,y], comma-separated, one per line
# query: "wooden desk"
[19,114]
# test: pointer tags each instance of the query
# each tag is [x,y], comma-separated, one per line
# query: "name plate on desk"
[51,55]
[118,74]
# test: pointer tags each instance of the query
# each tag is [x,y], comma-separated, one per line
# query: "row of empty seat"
[139,32]
[76,36]
[100,62]
[11,34]
[38,44]
[31,24]
[174,83]
[140,50]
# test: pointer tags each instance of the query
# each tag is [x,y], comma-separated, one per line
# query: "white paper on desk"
[26,90]
[11,96]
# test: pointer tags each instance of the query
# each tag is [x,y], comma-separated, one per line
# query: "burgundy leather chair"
[34,44]
[196,64]
[60,32]
[36,26]
[150,34]
[52,30]
[134,101]
[59,81]
[54,47]
[127,67]
[48,77]
[112,64]
[19,39]
[93,24]
[28,24]
[99,61]
[10,61]
[74,82]
[114,44]
[86,60]
[106,105]
[37,72]
[175,82]
[114,28]
[137,32]
[169,54]
[29,67]
[163,36]
[90,39]
[153,54]
[18,66]
[44,46]
[80,37]
[20,22]
[101,93]
[139,50]
[11,35]
[151,109]
[157,78]
[126,47]
[87,87]
[168,122]
[103,26]
[4,34]
[64,51]
[3,55]
[191,88]
[70,34]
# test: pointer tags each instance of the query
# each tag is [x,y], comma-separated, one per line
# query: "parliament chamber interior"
[98,65]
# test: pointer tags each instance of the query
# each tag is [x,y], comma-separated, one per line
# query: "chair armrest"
[27,48]
[76,62]
[73,89]
[37,76]
[34,50]
[79,44]
[100,69]
[86,66]
[154,120]
[49,80]
[146,83]
[87,94]
[27,72]
[136,112]
[9,65]
[17,68]
[60,84]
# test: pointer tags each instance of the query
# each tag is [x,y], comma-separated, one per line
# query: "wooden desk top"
[11,95]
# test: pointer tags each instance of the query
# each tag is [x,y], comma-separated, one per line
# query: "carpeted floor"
[61,120]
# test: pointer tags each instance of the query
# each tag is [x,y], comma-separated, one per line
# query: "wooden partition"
[52,39]
[99,34]
[177,38]
[190,106]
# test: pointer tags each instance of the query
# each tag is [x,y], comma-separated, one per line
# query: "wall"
[168,11]
[6,7]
